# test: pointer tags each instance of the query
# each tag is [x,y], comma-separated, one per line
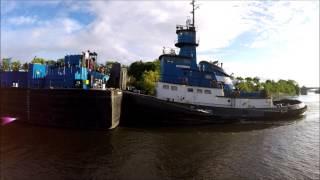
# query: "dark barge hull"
[147,109]
[72,108]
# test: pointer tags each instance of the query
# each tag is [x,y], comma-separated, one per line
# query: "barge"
[69,94]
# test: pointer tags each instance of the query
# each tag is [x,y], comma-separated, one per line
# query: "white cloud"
[220,22]
[122,29]
[288,21]
[287,33]
[70,25]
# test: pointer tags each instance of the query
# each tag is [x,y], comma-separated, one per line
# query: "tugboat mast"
[194,7]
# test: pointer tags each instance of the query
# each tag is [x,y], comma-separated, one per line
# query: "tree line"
[7,64]
[15,65]
[144,75]
[270,87]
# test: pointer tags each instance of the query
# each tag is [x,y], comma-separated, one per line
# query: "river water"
[244,150]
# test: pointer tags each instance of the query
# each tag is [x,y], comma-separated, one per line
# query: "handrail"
[170,51]
[185,27]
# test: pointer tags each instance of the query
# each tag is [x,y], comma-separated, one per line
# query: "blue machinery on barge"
[76,71]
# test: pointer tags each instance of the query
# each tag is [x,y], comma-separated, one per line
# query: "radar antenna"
[194,7]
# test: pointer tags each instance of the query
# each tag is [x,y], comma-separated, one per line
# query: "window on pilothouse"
[174,88]
[190,90]
[207,91]
[186,61]
[199,91]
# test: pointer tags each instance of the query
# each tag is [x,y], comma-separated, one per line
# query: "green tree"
[269,87]
[149,79]
[15,65]
[108,65]
[243,86]
[248,79]
[5,64]
[60,62]
[137,68]
[295,85]
[256,80]
[50,62]
[257,85]
[239,78]
[144,75]
[37,60]
[25,66]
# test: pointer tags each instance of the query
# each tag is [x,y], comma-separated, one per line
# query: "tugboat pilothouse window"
[186,61]
[174,88]
[199,91]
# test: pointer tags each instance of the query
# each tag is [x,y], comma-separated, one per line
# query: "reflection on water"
[245,150]
[6,120]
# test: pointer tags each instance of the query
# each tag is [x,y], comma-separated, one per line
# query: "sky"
[268,39]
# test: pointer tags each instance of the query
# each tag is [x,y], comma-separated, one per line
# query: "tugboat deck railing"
[170,51]
[185,27]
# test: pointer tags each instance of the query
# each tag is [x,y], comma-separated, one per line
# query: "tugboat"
[188,92]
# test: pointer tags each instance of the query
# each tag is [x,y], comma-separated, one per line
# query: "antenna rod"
[192,3]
